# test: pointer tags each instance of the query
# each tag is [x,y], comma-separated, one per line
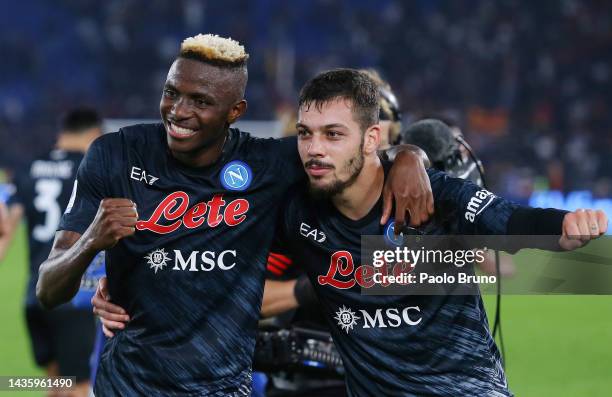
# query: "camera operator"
[294,348]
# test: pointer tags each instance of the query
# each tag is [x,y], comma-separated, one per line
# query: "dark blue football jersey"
[192,275]
[43,188]
[402,345]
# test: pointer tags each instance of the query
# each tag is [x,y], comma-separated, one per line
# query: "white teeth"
[181,131]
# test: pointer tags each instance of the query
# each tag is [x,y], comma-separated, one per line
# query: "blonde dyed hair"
[214,49]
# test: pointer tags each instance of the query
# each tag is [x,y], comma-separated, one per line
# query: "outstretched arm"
[480,212]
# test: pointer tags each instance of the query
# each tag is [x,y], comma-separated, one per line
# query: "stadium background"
[529,82]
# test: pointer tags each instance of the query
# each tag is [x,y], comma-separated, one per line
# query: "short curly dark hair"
[79,120]
[344,83]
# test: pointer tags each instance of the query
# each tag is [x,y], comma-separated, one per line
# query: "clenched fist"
[116,218]
[582,226]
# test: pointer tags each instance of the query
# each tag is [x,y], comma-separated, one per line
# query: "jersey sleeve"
[280,265]
[283,151]
[473,209]
[89,188]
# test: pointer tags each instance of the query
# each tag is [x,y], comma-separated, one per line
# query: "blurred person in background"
[62,339]
[390,116]
[447,150]
[3,218]
[6,190]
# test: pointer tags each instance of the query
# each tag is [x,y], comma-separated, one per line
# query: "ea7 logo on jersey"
[315,234]
[141,175]
[381,318]
[196,260]
[478,202]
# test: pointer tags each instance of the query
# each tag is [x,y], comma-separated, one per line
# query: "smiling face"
[331,146]
[198,103]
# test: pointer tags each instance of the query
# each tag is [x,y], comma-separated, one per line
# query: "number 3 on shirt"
[47,192]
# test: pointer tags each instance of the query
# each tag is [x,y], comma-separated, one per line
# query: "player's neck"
[202,157]
[357,200]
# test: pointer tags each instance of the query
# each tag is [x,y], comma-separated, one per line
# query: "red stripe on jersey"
[276,262]
[282,258]
[274,270]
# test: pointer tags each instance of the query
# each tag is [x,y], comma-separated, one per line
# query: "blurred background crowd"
[529,82]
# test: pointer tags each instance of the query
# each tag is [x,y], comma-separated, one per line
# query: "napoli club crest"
[236,175]
[390,236]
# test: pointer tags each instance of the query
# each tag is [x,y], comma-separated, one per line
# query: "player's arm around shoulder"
[60,275]
[408,185]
